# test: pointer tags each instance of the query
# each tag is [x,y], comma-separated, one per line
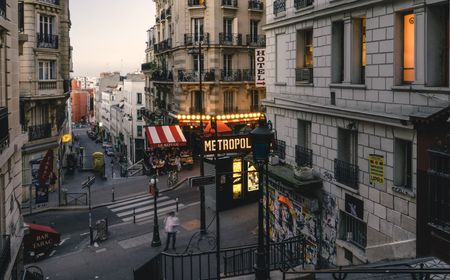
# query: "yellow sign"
[66,138]
[376,169]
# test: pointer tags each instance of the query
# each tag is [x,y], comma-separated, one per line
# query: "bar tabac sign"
[227,144]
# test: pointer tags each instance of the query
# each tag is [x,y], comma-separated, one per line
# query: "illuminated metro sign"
[227,144]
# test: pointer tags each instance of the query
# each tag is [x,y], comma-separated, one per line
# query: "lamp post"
[261,138]
[156,242]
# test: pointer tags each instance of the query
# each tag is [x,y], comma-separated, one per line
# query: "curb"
[80,208]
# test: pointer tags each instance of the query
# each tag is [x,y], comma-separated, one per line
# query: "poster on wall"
[252,181]
[376,169]
[237,178]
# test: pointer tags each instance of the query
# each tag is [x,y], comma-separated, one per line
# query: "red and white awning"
[165,136]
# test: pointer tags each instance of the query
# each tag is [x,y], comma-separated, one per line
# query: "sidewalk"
[102,190]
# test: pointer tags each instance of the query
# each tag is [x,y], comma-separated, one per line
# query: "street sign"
[88,183]
[202,181]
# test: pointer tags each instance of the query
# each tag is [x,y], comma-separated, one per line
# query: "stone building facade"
[45,66]
[11,141]
[345,81]
[228,32]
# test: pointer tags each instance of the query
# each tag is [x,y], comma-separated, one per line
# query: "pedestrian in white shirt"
[171,222]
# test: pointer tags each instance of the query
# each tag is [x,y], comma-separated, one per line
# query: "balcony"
[279,6]
[304,75]
[169,12]
[256,40]
[300,4]
[53,2]
[149,66]
[303,156]
[4,128]
[163,46]
[162,76]
[230,4]
[255,5]
[47,41]
[5,254]
[47,85]
[41,131]
[194,76]
[346,173]
[3,8]
[231,75]
[279,149]
[230,39]
[163,15]
[248,75]
[196,3]
[191,39]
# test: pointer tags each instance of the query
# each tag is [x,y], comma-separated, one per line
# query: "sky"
[109,35]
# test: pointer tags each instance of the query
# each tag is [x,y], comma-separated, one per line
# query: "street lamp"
[156,242]
[261,137]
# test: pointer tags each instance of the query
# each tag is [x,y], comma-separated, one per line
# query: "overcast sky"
[109,35]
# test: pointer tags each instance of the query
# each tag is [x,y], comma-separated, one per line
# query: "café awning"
[165,136]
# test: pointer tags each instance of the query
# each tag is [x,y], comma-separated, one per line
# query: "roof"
[42,228]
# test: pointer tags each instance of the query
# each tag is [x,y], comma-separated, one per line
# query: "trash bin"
[101,227]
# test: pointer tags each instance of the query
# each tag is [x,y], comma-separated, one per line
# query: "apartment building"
[11,141]
[211,43]
[106,82]
[359,90]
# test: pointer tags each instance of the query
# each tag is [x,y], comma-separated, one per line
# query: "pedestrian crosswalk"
[142,207]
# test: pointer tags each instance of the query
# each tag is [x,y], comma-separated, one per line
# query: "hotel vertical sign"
[260,61]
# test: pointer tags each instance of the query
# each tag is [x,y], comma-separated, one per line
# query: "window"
[197,29]
[254,31]
[254,101]
[438,41]
[403,163]
[305,48]
[139,114]
[281,58]
[139,98]
[228,102]
[363,51]
[197,102]
[337,52]
[227,64]
[353,230]
[304,133]
[408,48]
[228,26]
[46,24]
[139,130]
[47,70]
[198,62]
[346,169]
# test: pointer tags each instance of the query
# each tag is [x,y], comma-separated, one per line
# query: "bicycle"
[172,179]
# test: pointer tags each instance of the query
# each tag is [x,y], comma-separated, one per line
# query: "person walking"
[171,222]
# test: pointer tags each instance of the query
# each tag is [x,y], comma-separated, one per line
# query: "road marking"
[64,240]
[142,209]
[120,203]
[161,211]
[135,205]
[84,233]
[101,250]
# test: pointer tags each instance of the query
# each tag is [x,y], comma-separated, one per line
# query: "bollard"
[113,194]
[134,215]
[176,200]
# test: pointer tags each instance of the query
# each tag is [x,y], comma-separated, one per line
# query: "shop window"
[408,48]
[403,163]
[237,178]
[337,53]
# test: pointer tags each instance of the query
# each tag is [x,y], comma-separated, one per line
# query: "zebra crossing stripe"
[132,204]
[135,199]
[149,214]
[142,209]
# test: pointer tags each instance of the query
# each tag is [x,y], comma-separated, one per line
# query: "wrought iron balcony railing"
[53,2]
[4,128]
[303,156]
[279,149]
[5,254]
[248,75]
[299,4]
[3,8]
[256,40]
[230,39]
[304,75]
[208,75]
[48,41]
[196,38]
[147,66]
[279,6]
[41,131]
[163,46]
[346,173]
[162,76]
[231,75]
[255,5]
[47,85]
[230,3]
[192,3]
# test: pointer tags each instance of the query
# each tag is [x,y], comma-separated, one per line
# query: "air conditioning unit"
[274,160]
